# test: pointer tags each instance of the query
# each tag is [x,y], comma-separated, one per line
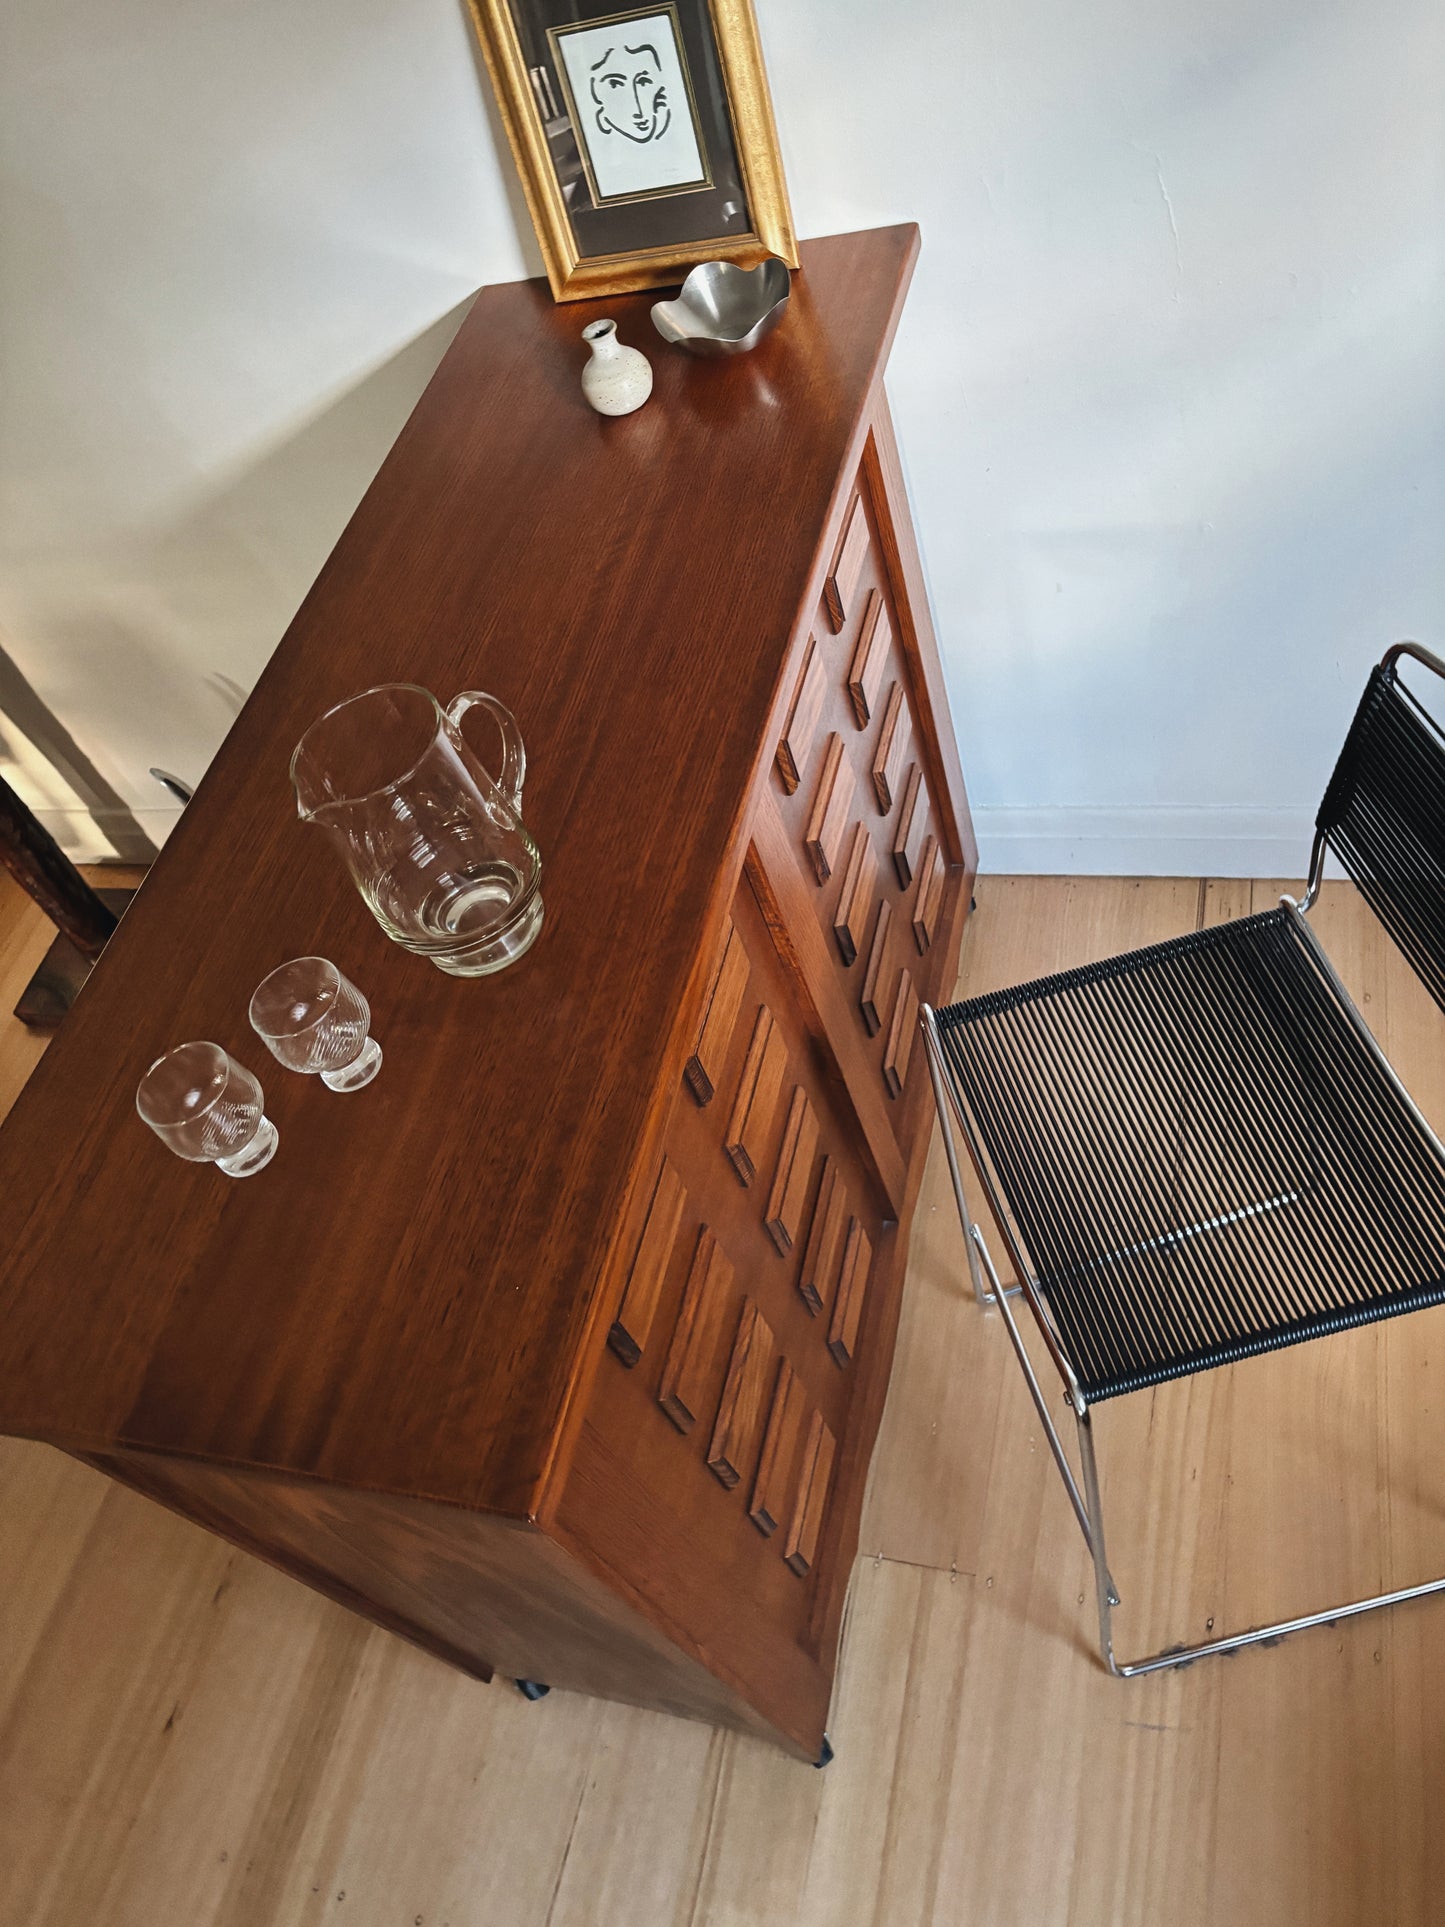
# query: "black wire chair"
[1198,1152]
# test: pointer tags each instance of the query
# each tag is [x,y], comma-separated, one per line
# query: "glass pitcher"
[435,845]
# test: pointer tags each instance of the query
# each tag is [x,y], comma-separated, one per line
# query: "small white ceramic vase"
[617,379]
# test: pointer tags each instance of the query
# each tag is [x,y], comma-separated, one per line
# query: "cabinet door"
[748,1318]
[861,845]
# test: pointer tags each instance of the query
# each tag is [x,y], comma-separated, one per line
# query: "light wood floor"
[189,1740]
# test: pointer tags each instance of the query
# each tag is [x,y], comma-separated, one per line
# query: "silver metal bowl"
[725,310]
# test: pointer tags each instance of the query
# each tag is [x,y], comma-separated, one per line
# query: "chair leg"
[1104,1592]
[1230,1642]
[996,1293]
[1051,1431]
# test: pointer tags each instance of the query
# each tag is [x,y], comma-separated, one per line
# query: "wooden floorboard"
[188,1737]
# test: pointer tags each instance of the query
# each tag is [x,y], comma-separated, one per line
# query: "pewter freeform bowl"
[723,309]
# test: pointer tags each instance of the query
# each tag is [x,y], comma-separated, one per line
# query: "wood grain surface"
[871,989]
[724,996]
[825,1240]
[818,1454]
[685,1376]
[633,1323]
[911,828]
[858,895]
[402,1298]
[796,742]
[870,659]
[739,1414]
[843,577]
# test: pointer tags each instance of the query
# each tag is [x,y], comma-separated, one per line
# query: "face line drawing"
[629,95]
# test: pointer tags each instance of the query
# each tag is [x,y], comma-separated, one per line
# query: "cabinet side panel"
[484,1594]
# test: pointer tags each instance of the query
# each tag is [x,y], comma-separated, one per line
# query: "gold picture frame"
[576,276]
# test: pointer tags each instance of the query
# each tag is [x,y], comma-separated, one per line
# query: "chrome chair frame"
[995,1295]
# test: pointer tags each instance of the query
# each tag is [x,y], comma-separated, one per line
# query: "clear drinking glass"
[208,1109]
[311,1018]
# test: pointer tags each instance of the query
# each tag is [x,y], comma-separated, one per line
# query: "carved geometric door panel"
[744,1308]
[853,793]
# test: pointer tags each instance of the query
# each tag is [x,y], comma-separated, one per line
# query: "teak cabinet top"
[404,1299]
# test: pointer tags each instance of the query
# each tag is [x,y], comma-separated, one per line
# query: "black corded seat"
[1192,1140]
[1197,1152]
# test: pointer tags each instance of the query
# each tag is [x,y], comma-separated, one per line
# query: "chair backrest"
[1383,815]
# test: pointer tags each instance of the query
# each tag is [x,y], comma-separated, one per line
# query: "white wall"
[1169,386]
[235,241]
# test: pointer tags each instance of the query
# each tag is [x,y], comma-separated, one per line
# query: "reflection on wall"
[1168,387]
[34,740]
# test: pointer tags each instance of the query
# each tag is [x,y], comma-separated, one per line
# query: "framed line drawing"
[631,105]
[644,137]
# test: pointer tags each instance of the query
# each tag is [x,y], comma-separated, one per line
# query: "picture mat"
[632,105]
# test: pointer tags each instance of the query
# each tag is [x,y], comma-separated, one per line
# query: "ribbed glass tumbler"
[313,1019]
[208,1109]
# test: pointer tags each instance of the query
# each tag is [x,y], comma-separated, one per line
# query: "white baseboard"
[83,838]
[1170,841]
[1156,842]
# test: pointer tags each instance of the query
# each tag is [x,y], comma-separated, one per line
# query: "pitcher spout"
[307,782]
[360,749]
[317,800]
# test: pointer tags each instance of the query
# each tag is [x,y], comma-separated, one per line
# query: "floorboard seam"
[919,1565]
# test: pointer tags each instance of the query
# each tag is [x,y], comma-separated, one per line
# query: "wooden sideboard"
[560,1349]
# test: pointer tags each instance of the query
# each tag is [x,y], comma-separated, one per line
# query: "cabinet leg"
[532,1689]
[826,1754]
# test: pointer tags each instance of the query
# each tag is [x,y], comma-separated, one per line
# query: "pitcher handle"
[514,757]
